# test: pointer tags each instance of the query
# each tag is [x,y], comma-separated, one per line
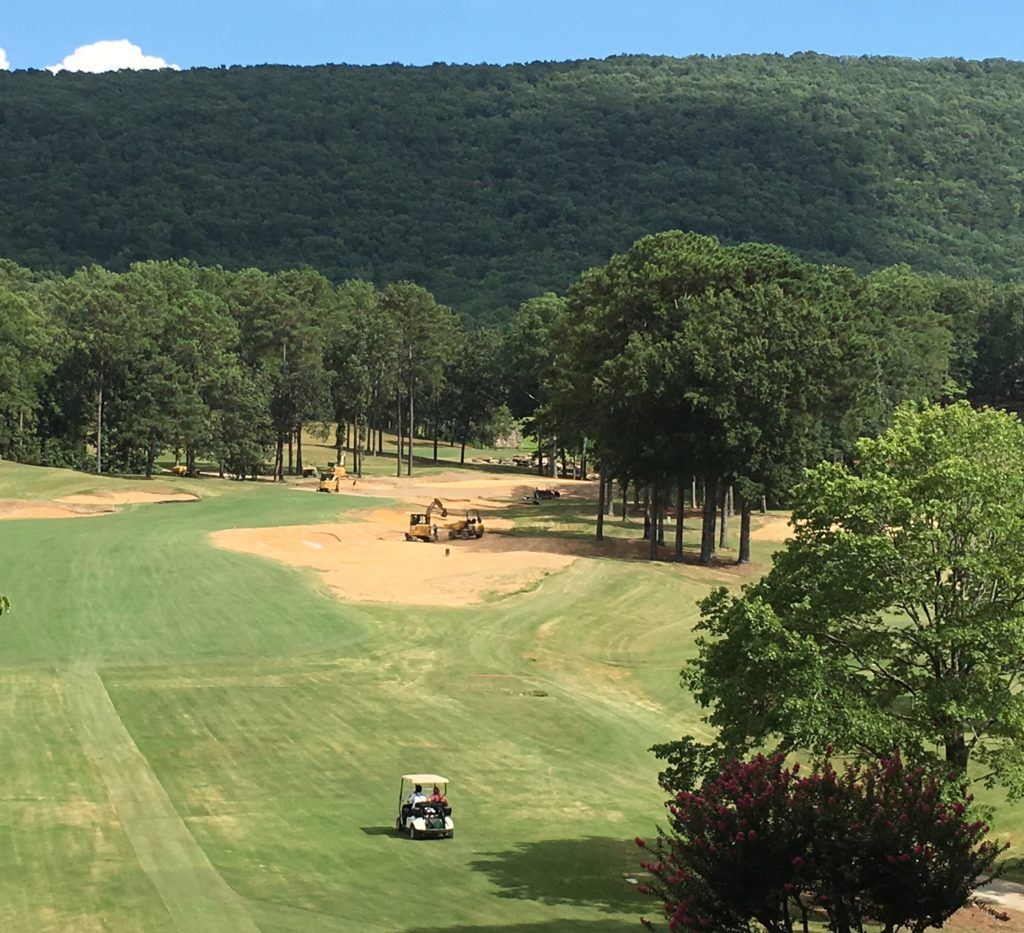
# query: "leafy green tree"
[362,359]
[531,352]
[424,332]
[895,616]
[31,346]
[474,387]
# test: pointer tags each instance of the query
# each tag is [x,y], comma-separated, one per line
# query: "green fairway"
[204,740]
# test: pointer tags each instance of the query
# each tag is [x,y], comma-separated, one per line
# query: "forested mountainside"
[491,184]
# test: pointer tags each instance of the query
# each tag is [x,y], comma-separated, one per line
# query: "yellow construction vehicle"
[472,526]
[330,479]
[421,526]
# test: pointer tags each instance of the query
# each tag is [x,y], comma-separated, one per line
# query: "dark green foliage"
[893,618]
[489,185]
[759,846]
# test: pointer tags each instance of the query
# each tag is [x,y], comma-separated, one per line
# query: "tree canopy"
[489,185]
[895,616]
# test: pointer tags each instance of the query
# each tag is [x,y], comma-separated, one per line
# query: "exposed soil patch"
[13,509]
[370,561]
[128,498]
[975,920]
[774,529]
[85,505]
[483,491]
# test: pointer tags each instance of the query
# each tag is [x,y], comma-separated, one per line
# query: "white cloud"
[5,65]
[109,55]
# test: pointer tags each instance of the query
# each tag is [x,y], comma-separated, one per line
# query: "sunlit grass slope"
[259,726]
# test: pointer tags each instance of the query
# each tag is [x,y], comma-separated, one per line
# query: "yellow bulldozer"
[330,479]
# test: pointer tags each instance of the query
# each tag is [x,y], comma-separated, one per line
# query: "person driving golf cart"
[437,796]
[422,817]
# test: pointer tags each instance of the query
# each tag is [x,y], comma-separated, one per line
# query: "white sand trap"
[372,562]
[119,497]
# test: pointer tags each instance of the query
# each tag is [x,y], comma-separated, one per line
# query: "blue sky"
[40,33]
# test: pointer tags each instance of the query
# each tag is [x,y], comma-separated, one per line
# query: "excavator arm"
[439,505]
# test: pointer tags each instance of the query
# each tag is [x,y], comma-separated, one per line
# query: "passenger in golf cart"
[423,817]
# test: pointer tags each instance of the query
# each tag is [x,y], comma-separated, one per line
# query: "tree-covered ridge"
[491,184]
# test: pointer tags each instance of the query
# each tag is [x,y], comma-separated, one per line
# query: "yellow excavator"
[330,479]
[421,526]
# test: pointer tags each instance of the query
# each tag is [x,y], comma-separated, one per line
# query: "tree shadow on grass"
[588,872]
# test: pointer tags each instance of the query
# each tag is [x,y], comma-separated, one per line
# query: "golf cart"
[424,820]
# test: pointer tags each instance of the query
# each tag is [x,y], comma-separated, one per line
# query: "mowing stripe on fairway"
[194,893]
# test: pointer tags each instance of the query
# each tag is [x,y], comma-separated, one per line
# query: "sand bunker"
[370,561]
[14,509]
[774,529]
[85,505]
[119,497]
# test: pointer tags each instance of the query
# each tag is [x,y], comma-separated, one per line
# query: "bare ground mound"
[371,561]
[85,505]
[482,491]
[134,497]
[14,509]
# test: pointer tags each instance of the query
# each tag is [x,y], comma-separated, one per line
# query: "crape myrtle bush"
[762,844]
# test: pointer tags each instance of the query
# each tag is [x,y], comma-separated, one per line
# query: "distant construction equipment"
[423,527]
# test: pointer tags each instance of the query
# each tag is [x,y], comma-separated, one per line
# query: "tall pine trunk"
[398,459]
[679,521]
[298,449]
[723,536]
[647,513]
[600,507]
[707,532]
[744,553]
[653,512]
[411,425]
[99,427]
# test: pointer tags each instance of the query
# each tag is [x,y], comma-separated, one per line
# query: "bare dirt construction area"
[482,491]
[370,560]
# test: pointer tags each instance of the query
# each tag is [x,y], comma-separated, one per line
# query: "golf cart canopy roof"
[424,779]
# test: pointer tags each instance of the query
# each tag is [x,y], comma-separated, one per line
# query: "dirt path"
[195,895]
[1004,895]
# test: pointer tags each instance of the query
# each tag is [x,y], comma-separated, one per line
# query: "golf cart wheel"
[464,535]
[450,834]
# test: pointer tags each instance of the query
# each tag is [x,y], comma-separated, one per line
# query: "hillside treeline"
[489,185]
[680,358]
